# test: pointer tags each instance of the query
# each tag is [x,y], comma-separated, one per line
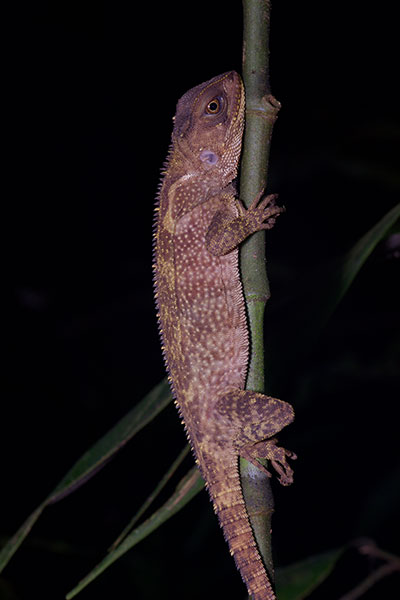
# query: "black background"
[91,89]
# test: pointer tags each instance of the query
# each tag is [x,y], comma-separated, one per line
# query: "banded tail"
[226,494]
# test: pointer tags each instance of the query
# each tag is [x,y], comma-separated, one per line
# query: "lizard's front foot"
[264,214]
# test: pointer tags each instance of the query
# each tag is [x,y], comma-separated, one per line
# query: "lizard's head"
[208,126]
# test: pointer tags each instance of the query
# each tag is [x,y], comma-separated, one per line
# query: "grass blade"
[335,282]
[104,449]
[308,311]
[151,498]
[94,459]
[360,252]
[188,487]
[16,540]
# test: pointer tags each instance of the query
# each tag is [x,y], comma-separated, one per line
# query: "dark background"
[92,88]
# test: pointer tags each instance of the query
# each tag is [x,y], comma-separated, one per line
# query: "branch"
[391,565]
[261,113]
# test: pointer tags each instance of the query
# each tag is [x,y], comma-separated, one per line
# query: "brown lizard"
[201,309]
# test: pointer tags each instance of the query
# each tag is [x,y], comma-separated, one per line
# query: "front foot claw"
[265,212]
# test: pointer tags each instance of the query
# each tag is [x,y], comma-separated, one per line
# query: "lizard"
[199,223]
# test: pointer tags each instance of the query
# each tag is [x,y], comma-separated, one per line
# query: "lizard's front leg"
[254,419]
[227,229]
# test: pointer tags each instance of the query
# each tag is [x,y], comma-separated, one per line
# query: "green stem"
[261,114]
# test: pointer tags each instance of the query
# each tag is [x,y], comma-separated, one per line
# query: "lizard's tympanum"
[201,309]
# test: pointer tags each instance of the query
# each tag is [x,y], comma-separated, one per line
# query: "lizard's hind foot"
[275,454]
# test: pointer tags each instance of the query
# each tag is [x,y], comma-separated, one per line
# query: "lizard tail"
[227,497]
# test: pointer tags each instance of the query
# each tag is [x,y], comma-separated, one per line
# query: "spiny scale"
[198,292]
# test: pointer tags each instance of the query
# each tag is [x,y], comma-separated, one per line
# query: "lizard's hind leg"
[255,418]
[268,449]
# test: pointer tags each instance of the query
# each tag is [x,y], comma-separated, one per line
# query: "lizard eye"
[214,106]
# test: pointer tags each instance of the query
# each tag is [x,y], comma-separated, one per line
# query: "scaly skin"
[201,310]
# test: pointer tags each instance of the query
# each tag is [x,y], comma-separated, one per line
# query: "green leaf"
[14,543]
[302,318]
[342,276]
[361,251]
[104,449]
[162,483]
[188,487]
[335,280]
[94,459]
[298,580]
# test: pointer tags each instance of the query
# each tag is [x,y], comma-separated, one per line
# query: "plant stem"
[261,114]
